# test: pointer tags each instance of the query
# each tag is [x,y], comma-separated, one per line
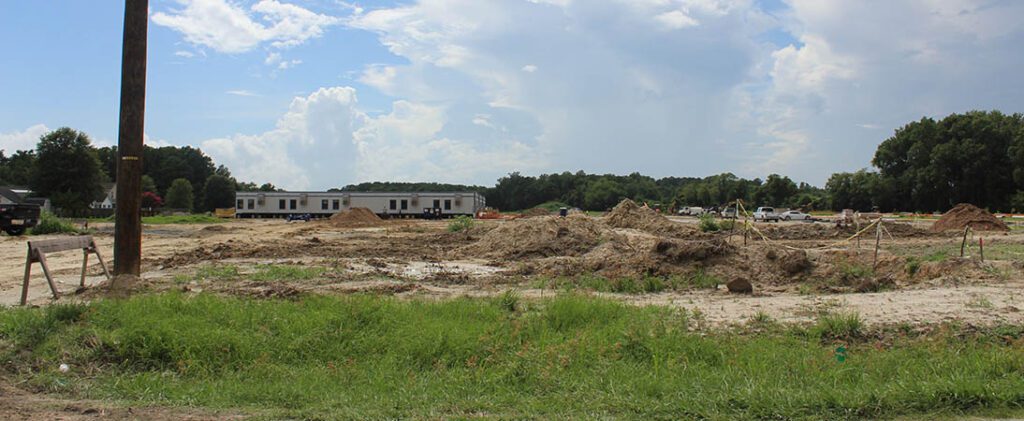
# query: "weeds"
[838,325]
[568,357]
[708,223]
[51,224]
[460,223]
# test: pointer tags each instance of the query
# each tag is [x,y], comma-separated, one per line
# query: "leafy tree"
[67,171]
[151,200]
[148,185]
[603,194]
[776,191]
[219,192]
[17,169]
[179,195]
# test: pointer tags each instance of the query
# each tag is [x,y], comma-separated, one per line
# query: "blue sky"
[321,93]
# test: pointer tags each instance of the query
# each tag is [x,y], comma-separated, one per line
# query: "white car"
[795,216]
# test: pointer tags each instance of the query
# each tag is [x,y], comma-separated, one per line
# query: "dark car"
[299,217]
[16,218]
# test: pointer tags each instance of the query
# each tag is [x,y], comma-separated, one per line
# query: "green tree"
[148,185]
[603,194]
[67,171]
[179,195]
[776,191]
[17,169]
[219,192]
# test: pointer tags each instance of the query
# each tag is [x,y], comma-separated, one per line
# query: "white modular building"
[258,204]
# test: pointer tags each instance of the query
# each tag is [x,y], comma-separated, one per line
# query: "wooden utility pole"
[128,224]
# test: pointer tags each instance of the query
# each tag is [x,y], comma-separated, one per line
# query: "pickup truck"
[766,214]
[18,217]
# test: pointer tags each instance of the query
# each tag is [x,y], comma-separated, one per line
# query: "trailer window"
[437,203]
[323,204]
[293,203]
[252,204]
[394,204]
[405,204]
[282,204]
[337,204]
[239,204]
[448,204]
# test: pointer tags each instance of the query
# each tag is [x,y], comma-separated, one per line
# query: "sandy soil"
[419,258]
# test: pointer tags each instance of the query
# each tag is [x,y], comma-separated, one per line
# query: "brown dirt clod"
[740,286]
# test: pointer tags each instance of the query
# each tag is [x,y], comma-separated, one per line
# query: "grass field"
[570,356]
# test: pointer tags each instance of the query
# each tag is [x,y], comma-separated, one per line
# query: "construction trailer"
[385,204]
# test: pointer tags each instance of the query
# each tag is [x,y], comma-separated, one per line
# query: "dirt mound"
[627,214]
[535,212]
[541,237]
[355,218]
[967,215]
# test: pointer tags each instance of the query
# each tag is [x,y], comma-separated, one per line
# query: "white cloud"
[229,28]
[185,54]
[676,19]
[325,141]
[23,140]
[241,92]
[529,68]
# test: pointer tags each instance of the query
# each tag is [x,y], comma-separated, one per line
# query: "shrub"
[460,223]
[51,224]
[708,223]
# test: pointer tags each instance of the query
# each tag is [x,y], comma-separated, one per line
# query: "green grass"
[645,285]
[272,273]
[568,357]
[182,219]
[461,223]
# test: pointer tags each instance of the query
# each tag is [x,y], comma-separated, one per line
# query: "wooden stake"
[981,248]
[28,273]
[878,240]
[963,244]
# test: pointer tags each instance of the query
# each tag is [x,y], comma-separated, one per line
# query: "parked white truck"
[766,214]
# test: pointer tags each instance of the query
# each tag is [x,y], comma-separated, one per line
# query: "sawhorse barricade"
[37,254]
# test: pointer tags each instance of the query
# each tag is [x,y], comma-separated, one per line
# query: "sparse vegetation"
[51,224]
[272,273]
[708,223]
[571,356]
[460,224]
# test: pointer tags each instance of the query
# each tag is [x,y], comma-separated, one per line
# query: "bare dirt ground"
[799,272]
[807,269]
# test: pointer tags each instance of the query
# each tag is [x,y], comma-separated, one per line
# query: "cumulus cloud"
[229,28]
[22,140]
[694,87]
[324,140]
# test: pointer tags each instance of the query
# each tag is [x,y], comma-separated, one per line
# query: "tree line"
[66,168]
[927,165]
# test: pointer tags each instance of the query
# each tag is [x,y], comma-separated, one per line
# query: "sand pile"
[964,215]
[541,237]
[627,214]
[354,218]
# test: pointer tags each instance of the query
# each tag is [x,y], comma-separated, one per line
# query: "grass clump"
[839,325]
[708,223]
[568,357]
[460,223]
[51,224]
